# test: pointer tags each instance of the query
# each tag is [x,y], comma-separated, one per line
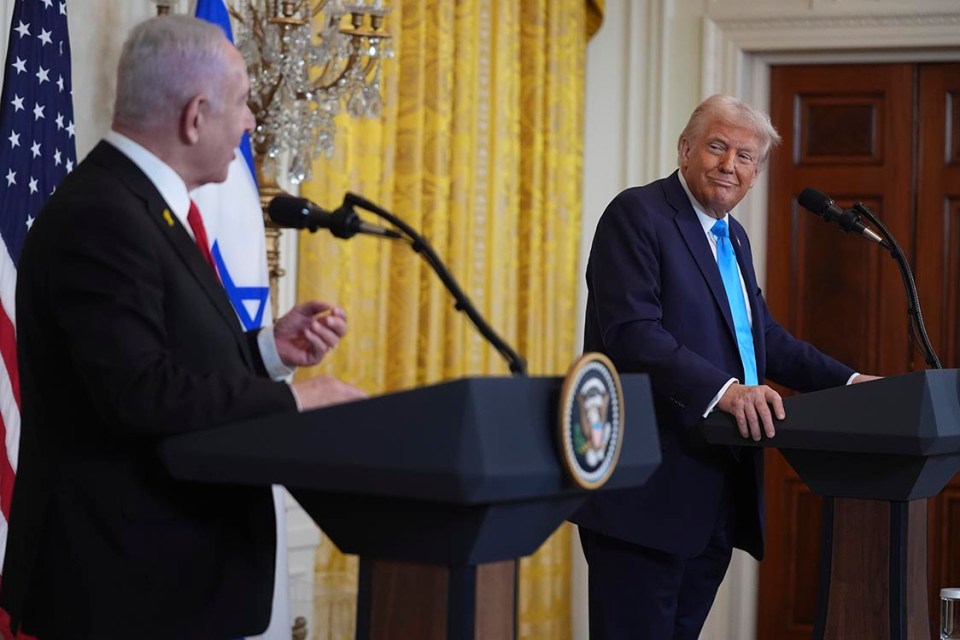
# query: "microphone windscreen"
[289,212]
[816,201]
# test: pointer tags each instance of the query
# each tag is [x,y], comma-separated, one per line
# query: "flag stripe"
[3,545]
[6,487]
[9,423]
[8,283]
[8,348]
[9,384]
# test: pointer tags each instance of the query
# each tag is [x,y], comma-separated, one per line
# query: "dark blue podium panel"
[463,472]
[892,439]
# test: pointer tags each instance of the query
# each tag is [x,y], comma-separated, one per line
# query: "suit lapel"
[171,229]
[692,232]
[185,246]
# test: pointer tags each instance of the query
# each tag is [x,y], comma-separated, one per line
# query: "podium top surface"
[916,414]
[467,441]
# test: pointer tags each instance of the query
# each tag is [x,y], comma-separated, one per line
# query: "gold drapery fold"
[480,149]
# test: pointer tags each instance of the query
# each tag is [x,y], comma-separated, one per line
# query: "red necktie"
[200,234]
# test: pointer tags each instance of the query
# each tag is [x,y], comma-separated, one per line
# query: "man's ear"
[191,119]
[684,151]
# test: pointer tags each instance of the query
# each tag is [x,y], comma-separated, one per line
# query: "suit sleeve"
[796,364]
[146,374]
[253,343]
[623,276]
[790,362]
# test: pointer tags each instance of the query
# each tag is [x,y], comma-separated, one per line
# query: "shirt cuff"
[275,367]
[716,399]
[850,379]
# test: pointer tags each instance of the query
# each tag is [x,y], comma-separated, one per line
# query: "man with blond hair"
[673,294]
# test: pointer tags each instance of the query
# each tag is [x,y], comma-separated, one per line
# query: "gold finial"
[164,7]
[300,628]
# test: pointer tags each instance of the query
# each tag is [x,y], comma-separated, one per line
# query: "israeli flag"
[234,222]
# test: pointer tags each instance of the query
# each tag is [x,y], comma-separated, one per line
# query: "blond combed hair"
[736,112]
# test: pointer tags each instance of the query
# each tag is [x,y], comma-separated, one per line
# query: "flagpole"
[269,189]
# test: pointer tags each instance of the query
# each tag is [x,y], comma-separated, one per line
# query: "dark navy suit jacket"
[656,305]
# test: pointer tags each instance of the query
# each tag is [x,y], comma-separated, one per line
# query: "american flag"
[37,149]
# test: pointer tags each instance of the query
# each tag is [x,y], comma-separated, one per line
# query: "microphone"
[822,205]
[299,213]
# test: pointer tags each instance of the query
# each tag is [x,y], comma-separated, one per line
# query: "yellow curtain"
[479,148]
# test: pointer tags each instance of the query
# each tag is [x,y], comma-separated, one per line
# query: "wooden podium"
[438,490]
[875,450]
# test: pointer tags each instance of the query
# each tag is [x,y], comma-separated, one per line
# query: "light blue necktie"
[727,261]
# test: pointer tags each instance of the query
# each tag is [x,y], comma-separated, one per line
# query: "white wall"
[97,31]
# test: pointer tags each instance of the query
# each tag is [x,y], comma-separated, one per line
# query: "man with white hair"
[673,293]
[126,337]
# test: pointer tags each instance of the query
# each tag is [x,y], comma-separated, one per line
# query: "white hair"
[165,62]
[736,112]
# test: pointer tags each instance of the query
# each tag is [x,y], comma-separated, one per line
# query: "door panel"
[837,290]
[938,282]
[844,134]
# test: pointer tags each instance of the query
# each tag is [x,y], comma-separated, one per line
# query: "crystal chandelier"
[299,78]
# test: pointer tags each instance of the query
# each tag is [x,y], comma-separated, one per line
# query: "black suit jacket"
[656,305]
[125,337]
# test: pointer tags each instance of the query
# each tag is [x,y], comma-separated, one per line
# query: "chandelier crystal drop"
[307,59]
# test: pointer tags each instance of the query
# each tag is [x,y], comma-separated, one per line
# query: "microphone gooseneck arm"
[462,303]
[849,221]
[919,330]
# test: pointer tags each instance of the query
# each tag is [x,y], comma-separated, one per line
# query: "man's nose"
[727,161]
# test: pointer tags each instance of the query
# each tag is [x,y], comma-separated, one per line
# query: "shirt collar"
[168,182]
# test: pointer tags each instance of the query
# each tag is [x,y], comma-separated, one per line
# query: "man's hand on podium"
[323,391]
[751,405]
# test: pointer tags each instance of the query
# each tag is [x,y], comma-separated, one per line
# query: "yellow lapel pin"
[168,217]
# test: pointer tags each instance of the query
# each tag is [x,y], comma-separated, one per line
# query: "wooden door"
[848,130]
[938,282]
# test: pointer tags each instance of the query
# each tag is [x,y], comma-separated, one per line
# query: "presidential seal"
[591,415]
